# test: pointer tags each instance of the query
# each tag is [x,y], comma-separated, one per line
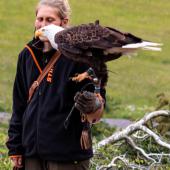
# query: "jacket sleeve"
[14,143]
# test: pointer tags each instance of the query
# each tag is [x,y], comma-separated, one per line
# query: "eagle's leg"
[89,74]
[81,77]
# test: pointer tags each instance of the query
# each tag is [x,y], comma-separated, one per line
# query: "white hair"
[62,7]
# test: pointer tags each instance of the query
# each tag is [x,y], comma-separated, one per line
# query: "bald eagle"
[94,44]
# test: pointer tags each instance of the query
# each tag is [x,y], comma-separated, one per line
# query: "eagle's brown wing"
[93,44]
[80,41]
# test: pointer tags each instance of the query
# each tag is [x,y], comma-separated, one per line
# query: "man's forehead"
[47,11]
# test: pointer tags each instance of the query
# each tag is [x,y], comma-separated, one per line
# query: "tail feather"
[144,45]
[152,48]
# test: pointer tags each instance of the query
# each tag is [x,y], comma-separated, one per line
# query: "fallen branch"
[132,128]
[132,143]
[127,134]
[155,136]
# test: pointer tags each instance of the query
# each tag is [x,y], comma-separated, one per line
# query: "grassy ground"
[4,161]
[136,81]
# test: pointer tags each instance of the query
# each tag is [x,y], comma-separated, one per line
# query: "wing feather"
[94,44]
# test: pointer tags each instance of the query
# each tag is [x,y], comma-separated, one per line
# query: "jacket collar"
[36,44]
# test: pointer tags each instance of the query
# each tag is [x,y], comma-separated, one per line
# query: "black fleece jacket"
[37,128]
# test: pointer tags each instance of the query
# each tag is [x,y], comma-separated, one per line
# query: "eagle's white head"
[48,33]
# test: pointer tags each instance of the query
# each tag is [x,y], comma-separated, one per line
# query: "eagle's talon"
[80,77]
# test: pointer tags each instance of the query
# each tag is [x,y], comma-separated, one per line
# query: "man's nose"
[44,23]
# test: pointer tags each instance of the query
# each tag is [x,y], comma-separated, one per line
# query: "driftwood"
[129,134]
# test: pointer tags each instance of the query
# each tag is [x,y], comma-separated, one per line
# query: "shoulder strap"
[36,83]
[34,58]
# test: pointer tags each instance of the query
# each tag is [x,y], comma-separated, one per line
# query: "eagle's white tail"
[144,45]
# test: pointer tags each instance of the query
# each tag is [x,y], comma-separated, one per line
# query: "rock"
[4,117]
[117,123]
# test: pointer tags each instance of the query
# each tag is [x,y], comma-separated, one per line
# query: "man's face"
[47,15]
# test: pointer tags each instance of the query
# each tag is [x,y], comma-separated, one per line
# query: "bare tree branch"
[132,128]
[132,143]
[155,136]
[127,134]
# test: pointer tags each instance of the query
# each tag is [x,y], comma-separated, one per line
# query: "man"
[37,132]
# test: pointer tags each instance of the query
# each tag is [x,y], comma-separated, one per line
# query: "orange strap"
[15,156]
[36,83]
[43,72]
[34,58]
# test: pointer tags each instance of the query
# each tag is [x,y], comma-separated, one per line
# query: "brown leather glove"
[87,102]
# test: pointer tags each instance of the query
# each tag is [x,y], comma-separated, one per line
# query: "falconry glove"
[90,106]
[87,102]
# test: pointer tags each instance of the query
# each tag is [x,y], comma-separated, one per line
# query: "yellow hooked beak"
[38,33]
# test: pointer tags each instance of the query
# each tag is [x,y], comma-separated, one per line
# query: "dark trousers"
[38,164]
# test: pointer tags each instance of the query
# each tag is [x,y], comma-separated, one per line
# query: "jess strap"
[36,83]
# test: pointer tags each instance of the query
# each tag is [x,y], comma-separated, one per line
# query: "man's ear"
[64,22]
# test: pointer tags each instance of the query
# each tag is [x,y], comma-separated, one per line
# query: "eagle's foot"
[81,77]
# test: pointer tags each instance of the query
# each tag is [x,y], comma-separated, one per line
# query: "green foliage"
[101,130]
[105,155]
[115,108]
[112,104]
[5,164]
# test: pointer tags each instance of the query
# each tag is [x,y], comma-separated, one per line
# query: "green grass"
[16,28]
[137,80]
[4,161]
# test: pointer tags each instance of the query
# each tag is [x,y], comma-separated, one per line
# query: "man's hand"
[17,161]
[87,102]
